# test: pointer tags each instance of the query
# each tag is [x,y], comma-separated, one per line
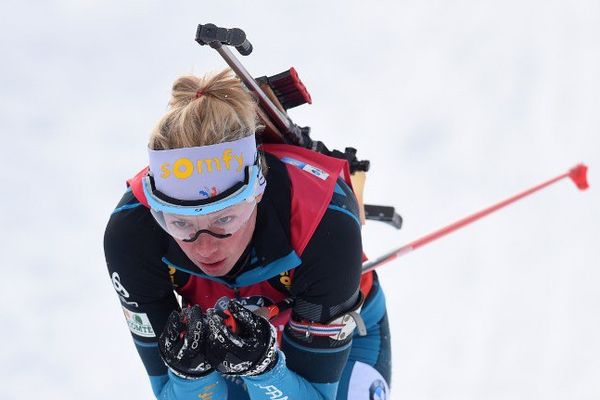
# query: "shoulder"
[332,261]
[129,222]
[134,246]
[276,200]
[277,175]
[344,201]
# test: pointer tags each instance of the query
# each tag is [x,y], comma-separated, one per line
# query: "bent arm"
[133,246]
[325,287]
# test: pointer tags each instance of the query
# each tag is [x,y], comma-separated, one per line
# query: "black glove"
[243,344]
[182,343]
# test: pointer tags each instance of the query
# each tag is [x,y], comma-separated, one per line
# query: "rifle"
[278,93]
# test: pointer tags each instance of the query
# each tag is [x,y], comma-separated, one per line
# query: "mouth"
[211,266]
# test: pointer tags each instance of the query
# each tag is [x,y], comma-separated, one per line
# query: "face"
[215,256]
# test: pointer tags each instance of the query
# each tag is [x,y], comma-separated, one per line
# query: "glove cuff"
[191,376]
[269,360]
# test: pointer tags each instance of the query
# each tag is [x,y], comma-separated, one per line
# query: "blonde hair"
[205,110]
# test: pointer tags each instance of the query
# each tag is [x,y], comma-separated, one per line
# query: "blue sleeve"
[168,386]
[280,383]
[211,386]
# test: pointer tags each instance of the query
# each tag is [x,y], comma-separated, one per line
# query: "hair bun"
[227,111]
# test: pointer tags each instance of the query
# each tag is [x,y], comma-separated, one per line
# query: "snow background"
[457,105]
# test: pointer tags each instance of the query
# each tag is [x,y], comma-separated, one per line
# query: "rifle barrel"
[281,121]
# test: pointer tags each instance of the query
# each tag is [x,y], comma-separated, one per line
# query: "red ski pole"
[578,175]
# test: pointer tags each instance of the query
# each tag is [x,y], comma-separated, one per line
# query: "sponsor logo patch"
[123,293]
[319,173]
[139,323]
[116,280]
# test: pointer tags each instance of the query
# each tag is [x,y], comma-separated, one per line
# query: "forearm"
[167,386]
[211,386]
[280,383]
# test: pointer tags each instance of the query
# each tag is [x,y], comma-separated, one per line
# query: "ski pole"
[577,174]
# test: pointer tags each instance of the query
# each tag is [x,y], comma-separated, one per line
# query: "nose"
[205,245]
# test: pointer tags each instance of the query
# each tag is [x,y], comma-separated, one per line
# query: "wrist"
[272,374]
[269,359]
[188,375]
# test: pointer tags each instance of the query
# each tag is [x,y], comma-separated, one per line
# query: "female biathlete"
[238,267]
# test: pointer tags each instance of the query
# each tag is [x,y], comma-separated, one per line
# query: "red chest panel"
[206,293]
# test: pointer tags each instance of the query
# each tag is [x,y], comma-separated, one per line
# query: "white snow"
[456,104]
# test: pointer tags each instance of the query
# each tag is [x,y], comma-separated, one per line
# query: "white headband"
[197,173]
